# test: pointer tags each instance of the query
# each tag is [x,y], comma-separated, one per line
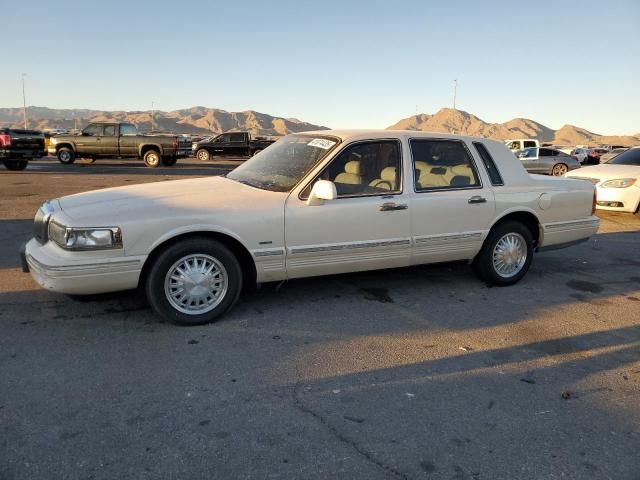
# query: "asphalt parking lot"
[414,373]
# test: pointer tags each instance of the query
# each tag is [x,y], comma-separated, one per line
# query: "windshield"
[630,157]
[282,165]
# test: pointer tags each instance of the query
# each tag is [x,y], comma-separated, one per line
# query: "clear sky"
[343,64]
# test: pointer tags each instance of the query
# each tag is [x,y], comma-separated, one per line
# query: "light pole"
[455,92]
[24,102]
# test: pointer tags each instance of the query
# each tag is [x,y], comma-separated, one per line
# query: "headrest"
[438,170]
[388,174]
[352,167]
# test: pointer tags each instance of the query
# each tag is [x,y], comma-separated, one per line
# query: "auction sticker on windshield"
[322,143]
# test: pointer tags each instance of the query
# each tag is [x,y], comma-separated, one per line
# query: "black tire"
[483,264]
[559,169]
[66,155]
[169,161]
[255,152]
[152,158]
[157,291]
[15,164]
[203,154]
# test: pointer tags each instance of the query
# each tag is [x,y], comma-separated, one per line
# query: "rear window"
[630,157]
[489,164]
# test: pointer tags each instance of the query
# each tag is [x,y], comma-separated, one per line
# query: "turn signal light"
[595,202]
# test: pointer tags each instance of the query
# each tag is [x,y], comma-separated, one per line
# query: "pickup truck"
[17,147]
[235,144]
[112,139]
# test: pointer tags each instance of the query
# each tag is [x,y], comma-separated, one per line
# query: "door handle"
[477,199]
[390,206]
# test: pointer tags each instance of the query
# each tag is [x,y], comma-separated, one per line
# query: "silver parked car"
[547,160]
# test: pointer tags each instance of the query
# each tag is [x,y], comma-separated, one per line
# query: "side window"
[93,130]
[442,164]
[128,129]
[489,164]
[109,130]
[226,138]
[515,145]
[237,137]
[528,144]
[545,152]
[369,168]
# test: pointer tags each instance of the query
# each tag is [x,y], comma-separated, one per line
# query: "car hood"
[144,201]
[607,172]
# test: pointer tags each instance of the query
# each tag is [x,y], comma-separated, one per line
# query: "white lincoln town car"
[314,203]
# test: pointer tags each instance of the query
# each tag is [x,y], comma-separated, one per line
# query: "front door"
[530,160]
[89,143]
[451,210]
[367,227]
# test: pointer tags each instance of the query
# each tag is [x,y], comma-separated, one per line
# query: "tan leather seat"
[433,176]
[387,179]
[351,174]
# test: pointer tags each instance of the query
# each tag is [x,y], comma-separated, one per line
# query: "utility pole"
[153,123]
[455,92]
[24,102]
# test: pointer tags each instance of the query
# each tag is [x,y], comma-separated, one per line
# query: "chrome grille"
[41,222]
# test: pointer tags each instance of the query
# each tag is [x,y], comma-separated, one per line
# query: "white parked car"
[313,203]
[617,182]
[522,143]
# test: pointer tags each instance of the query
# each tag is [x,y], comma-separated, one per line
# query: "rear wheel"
[203,155]
[256,152]
[194,281]
[169,161]
[152,158]
[559,169]
[506,254]
[66,155]
[15,164]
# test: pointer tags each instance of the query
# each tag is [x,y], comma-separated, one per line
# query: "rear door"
[108,143]
[238,144]
[452,207]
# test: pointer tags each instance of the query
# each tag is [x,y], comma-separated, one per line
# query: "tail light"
[5,140]
[595,201]
[175,142]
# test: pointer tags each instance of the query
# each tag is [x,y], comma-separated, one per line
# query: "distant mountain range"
[195,120]
[203,120]
[448,120]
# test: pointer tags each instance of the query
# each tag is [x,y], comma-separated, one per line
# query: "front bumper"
[618,199]
[57,270]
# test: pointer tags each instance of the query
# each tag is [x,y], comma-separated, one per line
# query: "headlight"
[70,238]
[53,141]
[619,183]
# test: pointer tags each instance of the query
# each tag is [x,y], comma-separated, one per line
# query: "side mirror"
[322,190]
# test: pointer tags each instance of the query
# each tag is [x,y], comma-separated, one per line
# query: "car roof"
[373,133]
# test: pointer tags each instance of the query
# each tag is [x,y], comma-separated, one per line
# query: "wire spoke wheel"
[509,255]
[196,284]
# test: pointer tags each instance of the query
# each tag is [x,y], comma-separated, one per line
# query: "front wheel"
[66,156]
[15,164]
[506,254]
[169,161]
[203,155]
[152,158]
[256,152]
[559,169]
[194,281]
